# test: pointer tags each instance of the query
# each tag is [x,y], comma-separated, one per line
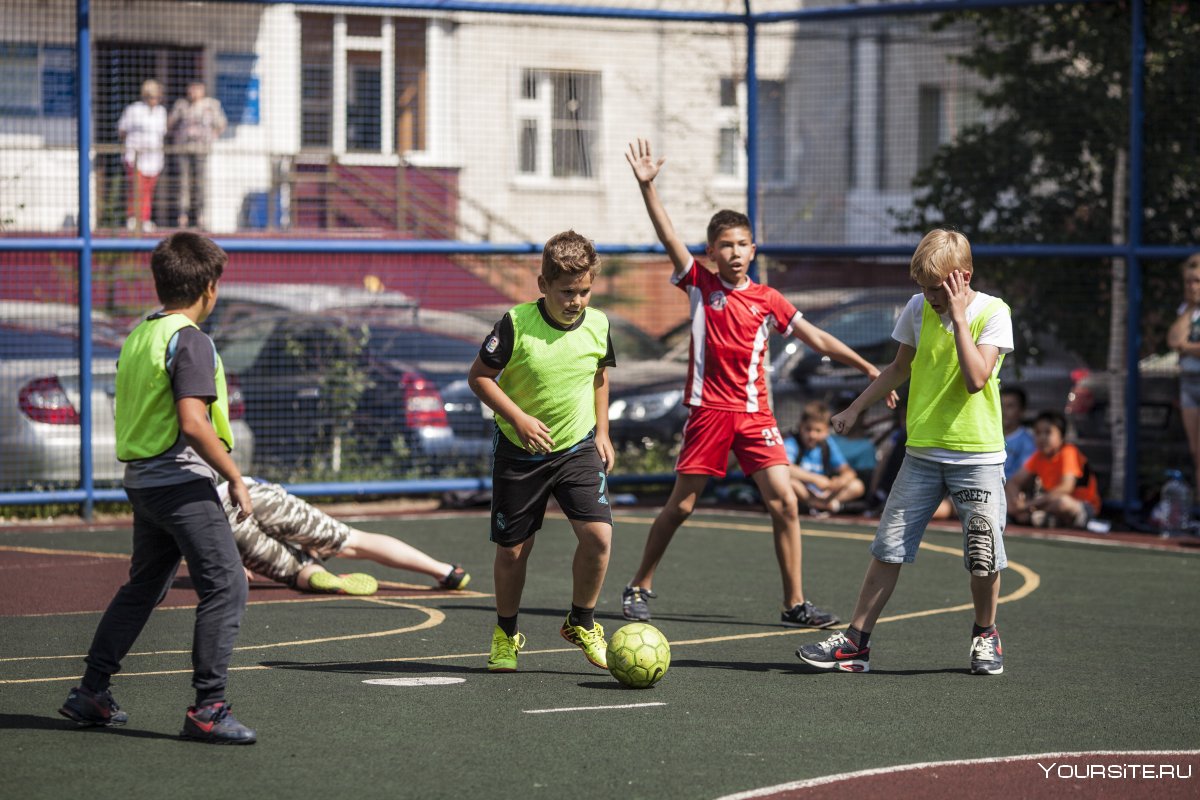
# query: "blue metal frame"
[1133,251]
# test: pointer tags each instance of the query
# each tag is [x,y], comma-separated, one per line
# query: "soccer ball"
[638,655]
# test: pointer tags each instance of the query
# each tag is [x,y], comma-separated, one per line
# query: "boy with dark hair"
[821,477]
[1018,440]
[542,370]
[726,391]
[172,425]
[1055,486]
[952,339]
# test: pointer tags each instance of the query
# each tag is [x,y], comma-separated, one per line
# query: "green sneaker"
[504,650]
[590,642]
[356,583]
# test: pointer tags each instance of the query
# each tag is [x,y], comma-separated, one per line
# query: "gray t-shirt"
[192,364]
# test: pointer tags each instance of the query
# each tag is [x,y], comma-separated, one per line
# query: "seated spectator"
[1055,487]
[285,538]
[1018,440]
[821,477]
[891,455]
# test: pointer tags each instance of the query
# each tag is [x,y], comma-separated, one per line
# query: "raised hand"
[645,168]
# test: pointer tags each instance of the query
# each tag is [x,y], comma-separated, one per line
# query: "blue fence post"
[83,138]
[752,131]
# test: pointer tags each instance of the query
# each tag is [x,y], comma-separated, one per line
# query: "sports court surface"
[388,696]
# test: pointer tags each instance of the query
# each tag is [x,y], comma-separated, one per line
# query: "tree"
[1041,167]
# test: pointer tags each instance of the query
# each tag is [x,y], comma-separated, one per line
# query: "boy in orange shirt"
[1055,486]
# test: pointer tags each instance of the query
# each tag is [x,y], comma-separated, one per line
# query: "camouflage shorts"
[284,534]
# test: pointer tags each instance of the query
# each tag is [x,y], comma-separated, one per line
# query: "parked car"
[39,412]
[645,388]
[237,300]
[315,382]
[1162,441]
[1040,363]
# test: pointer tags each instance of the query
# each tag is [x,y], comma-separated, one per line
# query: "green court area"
[1099,644]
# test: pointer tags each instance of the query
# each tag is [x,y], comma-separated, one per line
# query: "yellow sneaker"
[590,642]
[504,650]
[355,583]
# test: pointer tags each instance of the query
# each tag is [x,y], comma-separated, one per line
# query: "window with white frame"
[772,133]
[362,83]
[941,114]
[558,123]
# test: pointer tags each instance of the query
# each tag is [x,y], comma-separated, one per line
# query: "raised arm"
[645,169]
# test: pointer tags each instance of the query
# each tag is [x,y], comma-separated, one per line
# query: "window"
[941,114]
[771,128]
[379,106]
[20,93]
[558,123]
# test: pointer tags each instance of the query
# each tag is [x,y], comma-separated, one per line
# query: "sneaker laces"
[984,648]
[593,636]
[509,646]
[634,593]
[837,640]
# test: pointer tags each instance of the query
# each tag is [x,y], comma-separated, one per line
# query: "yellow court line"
[45,551]
[1030,584]
[435,617]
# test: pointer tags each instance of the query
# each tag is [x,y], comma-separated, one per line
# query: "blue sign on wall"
[58,81]
[237,87]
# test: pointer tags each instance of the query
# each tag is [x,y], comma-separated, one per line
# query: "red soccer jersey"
[729,340]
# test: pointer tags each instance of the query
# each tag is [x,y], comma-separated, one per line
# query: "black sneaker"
[838,653]
[634,605]
[456,578]
[806,615]
[215,725]
[93,708]
[987,656]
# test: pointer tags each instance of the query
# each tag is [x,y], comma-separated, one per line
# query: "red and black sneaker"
[836,652]
[215,725]
[987,656]
[89,708]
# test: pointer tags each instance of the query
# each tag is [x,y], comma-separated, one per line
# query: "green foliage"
[1042,167]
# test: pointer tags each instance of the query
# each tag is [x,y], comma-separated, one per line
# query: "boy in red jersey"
[726,391]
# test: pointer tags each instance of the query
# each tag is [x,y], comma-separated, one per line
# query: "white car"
[39,410]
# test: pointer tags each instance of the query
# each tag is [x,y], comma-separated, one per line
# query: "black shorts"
[522,485]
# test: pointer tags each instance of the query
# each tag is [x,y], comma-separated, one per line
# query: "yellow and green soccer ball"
[638,655]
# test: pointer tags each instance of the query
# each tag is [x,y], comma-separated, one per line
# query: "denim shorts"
[1189,390]
[977,491]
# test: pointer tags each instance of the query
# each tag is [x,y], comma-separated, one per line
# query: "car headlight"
[640,407]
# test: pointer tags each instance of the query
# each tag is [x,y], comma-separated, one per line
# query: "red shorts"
[710,434]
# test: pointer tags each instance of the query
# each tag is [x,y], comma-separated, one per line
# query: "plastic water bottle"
[1175,512]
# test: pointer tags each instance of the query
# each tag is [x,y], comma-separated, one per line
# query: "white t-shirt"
[144,129]
[997,331]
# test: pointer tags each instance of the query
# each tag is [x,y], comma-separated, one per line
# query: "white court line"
[589,708]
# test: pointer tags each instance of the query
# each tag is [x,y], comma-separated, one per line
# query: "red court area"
[39,582]
[1104,775]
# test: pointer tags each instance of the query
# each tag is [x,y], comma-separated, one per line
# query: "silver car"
[39,410]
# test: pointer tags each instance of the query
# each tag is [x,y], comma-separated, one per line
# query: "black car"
[1040,363]
[1162,440]
[322,388]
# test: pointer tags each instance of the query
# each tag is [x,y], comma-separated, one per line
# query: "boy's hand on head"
[645,168]
[239,495]
[958,294]
[534,435]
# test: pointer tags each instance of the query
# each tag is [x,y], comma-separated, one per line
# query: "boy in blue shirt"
[821,477]
[952,340]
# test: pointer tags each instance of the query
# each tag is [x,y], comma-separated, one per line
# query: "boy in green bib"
[952,342]
[542,370]
[173,433]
